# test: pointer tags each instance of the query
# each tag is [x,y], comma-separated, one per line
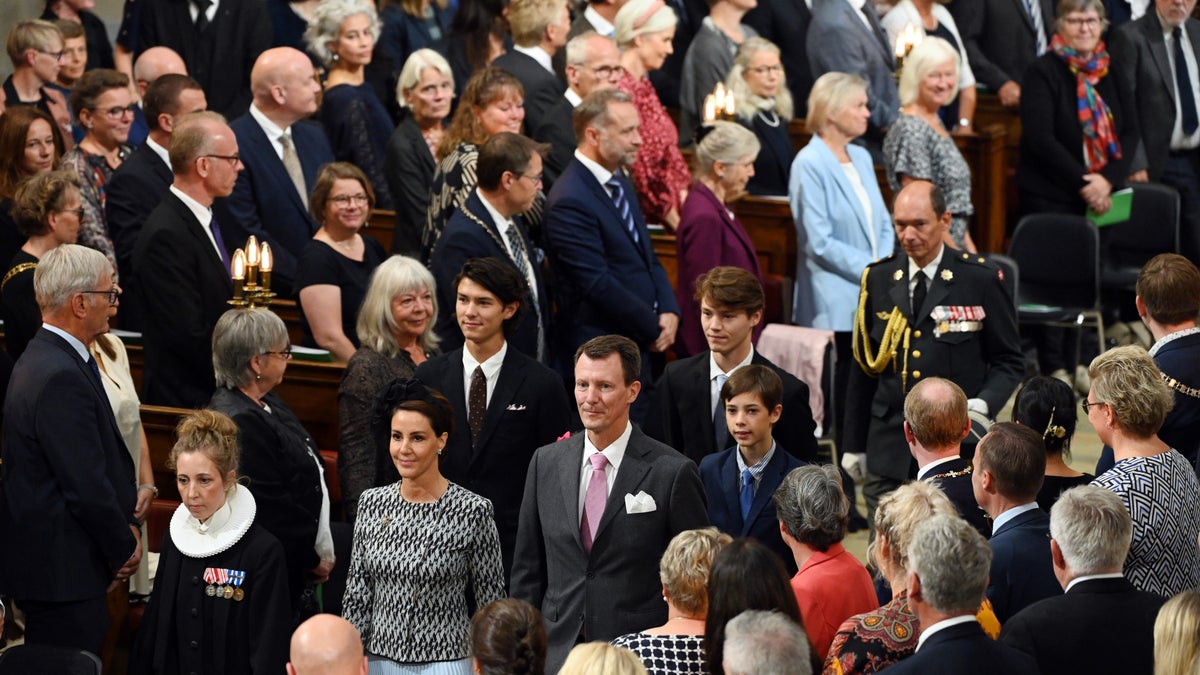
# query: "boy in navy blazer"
[741,480]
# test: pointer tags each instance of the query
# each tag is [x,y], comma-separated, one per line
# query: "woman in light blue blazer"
[842,224]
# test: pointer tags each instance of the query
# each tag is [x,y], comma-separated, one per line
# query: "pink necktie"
[593,501]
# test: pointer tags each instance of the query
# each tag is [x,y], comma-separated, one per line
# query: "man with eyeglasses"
[593,63]
[489,225]
[282,151]
[66,516]
[36,49]
[182,264]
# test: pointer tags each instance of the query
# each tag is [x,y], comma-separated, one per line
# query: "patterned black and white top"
[667,654]
[915,149]
[409,571]
[1162,494]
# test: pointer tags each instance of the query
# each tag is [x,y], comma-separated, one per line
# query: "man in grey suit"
[1159,54]
[845,37]
[599,510]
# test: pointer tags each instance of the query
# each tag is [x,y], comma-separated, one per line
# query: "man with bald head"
[217,39]
[929,311]
[281,152]
[327,644]
[151,65]
[182,264]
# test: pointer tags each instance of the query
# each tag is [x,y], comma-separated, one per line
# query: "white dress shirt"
[615,452]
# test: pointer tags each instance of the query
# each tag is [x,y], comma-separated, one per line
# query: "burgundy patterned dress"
[660,174]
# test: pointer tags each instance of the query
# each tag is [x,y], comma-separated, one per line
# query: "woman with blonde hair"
[709,234]
[1177,635]
[763,104]
[601,658]
[1126,406]
[395,332]
[918,146]
[644,30]
[677,646]
[870,642]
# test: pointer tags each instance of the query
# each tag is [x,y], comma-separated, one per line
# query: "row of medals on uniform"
[224,583]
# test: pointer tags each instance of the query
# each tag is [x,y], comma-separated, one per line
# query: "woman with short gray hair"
[342,34]
[709,233]
[250,354]
[831,585]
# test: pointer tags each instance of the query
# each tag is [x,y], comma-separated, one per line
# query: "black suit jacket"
[277,463]
[265,203]
[557,130]
[68,481]
[723,484]
[987,363]
[542,87]
[1180,359]
[528,409]
[999,37]
[954,479]
[781,22]
[1075,632]
[222,56]
[136,187]
[1022,569]
[681,411]
[1139,51]
[183,286]
[471,233]
[964,649]
[409,167]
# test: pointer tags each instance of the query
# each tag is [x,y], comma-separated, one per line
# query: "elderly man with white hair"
[1090,532]
[765,643]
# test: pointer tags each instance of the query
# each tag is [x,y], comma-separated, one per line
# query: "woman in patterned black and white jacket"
[417,543]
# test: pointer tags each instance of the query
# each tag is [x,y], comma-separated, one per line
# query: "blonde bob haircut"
[601,658]
[898,515]
[829,96]
[1177,635]
[685,564]
[930,54]
[1126,379]
[642,17]
[748,102]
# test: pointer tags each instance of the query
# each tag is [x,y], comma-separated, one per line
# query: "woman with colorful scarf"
[1077,143]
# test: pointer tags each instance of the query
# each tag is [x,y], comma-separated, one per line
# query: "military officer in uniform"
[934,311]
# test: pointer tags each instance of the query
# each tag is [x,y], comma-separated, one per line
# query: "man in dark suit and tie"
[183,266]
[963,328]
[608,277]
[66,516]
[1010,464]
[592,63]
[1003,37]
[539,31]
[506,404]
[489,225]
[599,509]
[1102,624]
[141,181]
[281,152]
[935,424]
[741,480]
[1159,54]
[947,575]
[218,40]
[731,305]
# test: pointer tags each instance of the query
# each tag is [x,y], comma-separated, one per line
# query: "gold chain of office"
[897,333]
[1180,387]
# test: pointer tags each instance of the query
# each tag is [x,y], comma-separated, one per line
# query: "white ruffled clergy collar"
[224,529]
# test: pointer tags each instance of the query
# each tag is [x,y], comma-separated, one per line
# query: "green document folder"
[1122,203]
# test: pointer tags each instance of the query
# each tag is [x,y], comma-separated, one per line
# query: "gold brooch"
[898,275]
[947,275]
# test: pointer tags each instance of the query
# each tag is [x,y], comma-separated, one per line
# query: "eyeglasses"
[537,179]
[344,201]
[608,72]
[286,353]
[1086,405]
[57,55]
[232,159]
[78,212]
[1089,22]
[113,293]
[117,112]
[767,70]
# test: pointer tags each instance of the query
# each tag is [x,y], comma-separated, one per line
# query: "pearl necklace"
[764,118]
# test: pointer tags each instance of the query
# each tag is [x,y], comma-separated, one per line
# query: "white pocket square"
[515,406]
[639,503]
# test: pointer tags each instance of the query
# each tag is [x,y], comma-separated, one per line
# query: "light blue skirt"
[379,665]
